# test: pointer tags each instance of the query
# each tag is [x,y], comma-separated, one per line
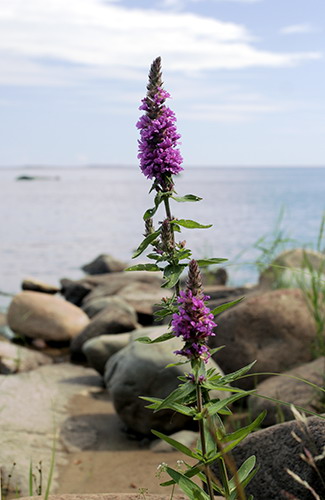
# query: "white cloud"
[57,42]
[297,29]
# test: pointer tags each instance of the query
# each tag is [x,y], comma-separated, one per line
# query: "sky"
[246,79]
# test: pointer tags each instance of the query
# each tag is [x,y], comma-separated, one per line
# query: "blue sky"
[246,79]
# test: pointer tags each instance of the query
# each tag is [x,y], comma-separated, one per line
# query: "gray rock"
[16,359]
[291,268]
[292,391]
[96,305]
[99,349]
[275,328]
[104,263]
[140,370]
[143,297]
[117,317]
[277,450]
[39,315]
[33,410]
[79,291]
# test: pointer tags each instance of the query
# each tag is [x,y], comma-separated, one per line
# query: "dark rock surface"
[275,328]
[277,450]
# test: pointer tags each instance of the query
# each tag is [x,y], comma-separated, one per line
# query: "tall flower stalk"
[190,318]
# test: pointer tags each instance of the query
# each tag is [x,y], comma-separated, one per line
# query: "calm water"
[50,228]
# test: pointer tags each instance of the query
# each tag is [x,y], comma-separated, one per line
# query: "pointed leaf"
[179,446]
[224,307]
[172,274]
[161,338]
[190,224]
[191,489]
[237,374]
[145,243]
[219,405]
[178,395]
[240,434]
[187,197]
[143,267]
[243,472]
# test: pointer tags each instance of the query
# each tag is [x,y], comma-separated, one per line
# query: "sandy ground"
[118,462]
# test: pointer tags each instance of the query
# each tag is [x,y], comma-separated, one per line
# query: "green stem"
[169,217]
[202,438]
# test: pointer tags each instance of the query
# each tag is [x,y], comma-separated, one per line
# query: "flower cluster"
[158,154]
[194,322]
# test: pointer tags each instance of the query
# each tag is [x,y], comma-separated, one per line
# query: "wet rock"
[104,263]
[17,359]
[98,350]
[39,286]
[275,328]
[276,450]
[117,317]
[39,315]
[292,391]
[140,370]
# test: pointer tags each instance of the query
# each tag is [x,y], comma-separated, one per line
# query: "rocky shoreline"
[72,349]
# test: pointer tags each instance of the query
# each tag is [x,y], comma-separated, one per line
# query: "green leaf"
[217,386]
[219,405]
[191,489]
[240,434]
[160,196]
[235,375]
[145,243]
[179,446]
[190,224]
[209,262]
[243,472]
[161,338]
[150,213]
[143,267]
[172,274]
[187,197]
[213,351]
[179,395]
[224,307]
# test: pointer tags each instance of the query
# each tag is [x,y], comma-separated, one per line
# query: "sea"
[63,218]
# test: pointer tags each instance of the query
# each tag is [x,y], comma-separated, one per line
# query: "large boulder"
[17,359]
[286,387]
[117,317]
[98,350]
[141,370]
[275,328]
[103,264]
[293,268]
[39,315]
[278,449]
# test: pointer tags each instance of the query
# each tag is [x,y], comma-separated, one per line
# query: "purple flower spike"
[194,322]
[158,153]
